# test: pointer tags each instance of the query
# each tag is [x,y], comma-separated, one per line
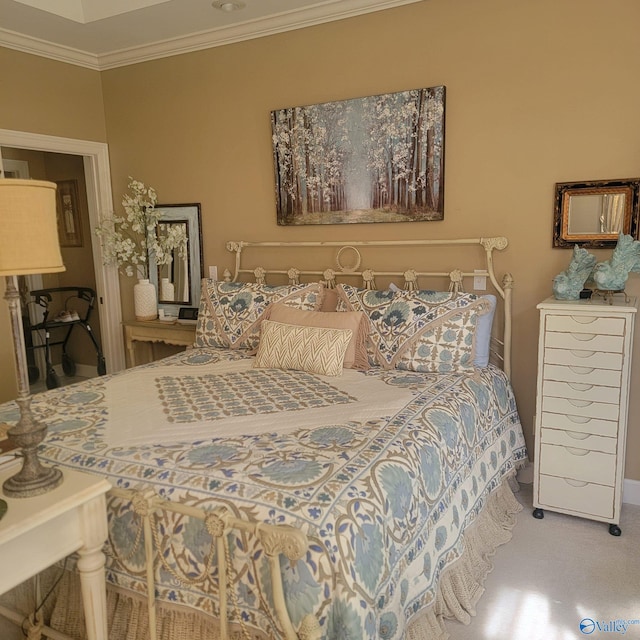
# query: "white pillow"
[483,334]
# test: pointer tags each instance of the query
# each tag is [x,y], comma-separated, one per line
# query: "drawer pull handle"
[578,436]
[583,319]
[583,337]
[580,386]
[582,354]
[578,419]
[575,483]
[582,370]
[579,403]
[578,452]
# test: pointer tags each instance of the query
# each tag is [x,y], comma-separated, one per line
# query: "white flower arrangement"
[128,240]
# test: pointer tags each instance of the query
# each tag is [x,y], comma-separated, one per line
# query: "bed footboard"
[274,541]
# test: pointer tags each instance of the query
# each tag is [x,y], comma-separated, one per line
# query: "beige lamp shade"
[28,228]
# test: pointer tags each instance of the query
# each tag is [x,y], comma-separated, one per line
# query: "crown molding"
[45,49]
[271,25]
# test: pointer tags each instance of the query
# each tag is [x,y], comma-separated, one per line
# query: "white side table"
[37,532]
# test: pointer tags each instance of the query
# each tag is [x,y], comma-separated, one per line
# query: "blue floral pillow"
[230,313]
[427,331]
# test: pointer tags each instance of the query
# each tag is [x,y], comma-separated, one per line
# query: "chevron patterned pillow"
[311,349]
[356,356]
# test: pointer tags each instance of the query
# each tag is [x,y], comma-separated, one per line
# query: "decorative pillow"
[424,331]
[311,349]
[356,356]
[483,333]
[330,300]
[231,312]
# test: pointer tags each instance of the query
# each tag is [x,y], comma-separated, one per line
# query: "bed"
[329,460]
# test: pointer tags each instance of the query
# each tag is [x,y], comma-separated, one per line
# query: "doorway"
[60,354]
[97,182]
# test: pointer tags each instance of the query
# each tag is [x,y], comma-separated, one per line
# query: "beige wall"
[538,92]
[49,97]
[52,98]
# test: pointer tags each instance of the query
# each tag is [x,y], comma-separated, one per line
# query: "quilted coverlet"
[383,470]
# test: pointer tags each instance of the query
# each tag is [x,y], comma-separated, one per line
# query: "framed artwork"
[373,159]
[68,212]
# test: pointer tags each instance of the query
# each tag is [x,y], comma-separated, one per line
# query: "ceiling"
[103,34]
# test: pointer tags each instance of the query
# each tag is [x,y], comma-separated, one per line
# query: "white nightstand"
[182,335]
[584,371]
[37,532]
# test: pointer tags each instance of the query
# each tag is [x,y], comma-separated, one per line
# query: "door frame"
[100,201]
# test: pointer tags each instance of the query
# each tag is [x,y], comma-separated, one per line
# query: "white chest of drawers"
[584,367]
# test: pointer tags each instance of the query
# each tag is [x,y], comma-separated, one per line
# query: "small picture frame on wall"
[68,214]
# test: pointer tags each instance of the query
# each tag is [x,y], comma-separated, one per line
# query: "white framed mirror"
[178,282]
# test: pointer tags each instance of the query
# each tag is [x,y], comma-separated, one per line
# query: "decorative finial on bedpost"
[368,279]
[260,274]
[497,242]
[292,542]
[226,275]
[329,279]
[294,275]
[410,280]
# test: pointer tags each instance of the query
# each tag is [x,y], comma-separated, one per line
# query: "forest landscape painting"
[373,159]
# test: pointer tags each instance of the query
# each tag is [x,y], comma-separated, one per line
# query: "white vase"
[145,300]
[167,290]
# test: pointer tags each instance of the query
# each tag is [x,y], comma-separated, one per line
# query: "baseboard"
[631,492]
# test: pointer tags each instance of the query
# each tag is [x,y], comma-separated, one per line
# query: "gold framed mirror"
[592,214]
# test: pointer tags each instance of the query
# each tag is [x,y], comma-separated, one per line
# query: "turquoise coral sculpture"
[612,274]
[568,284]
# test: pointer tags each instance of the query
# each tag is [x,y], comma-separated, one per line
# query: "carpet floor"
[554,574]
[557,573]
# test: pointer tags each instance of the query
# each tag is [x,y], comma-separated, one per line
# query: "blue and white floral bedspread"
[382,470]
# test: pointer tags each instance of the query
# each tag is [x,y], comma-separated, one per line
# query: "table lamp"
[28,245]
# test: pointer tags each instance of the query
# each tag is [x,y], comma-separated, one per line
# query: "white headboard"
[477,264]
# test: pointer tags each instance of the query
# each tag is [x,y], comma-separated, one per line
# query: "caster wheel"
[102,366]
[52,380]
[615,530]
[68,365]
[538,514]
